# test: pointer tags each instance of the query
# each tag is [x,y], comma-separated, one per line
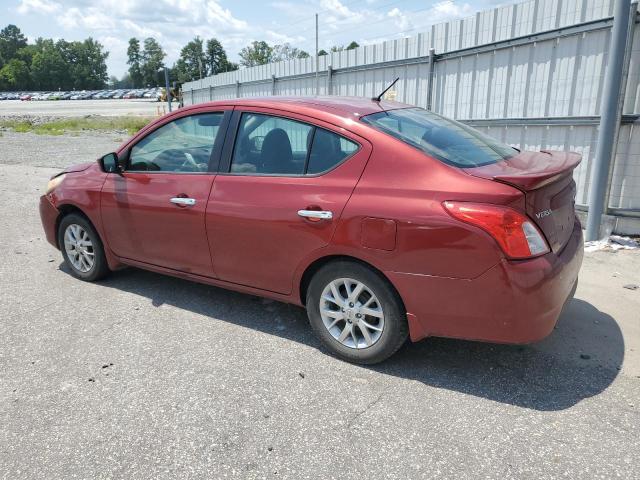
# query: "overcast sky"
[234,22]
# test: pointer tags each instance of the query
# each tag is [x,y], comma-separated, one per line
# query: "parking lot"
[146,376]
[75,108]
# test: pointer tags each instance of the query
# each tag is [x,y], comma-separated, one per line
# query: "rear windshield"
[442,138]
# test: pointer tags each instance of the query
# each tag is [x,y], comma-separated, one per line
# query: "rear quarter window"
[447,140]
[328,150]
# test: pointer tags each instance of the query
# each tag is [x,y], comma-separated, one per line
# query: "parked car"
[383,220]
[25,98]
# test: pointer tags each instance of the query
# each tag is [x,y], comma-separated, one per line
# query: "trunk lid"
[546,178]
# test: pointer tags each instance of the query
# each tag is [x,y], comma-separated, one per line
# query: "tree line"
[199,59]
[81,65]
[48,64]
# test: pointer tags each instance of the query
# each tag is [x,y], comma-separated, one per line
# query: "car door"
[283,184]
[154,212]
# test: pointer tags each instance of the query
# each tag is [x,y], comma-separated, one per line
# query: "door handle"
[318,214]
[183,202]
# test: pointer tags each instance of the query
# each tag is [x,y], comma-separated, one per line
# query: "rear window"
[442,138]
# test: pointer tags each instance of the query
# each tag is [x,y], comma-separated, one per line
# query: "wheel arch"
[67,209]
[317,264]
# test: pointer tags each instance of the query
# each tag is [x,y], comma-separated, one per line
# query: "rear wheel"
[82,248]
[356,313]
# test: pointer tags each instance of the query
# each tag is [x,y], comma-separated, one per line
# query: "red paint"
[387,200]
[379,233]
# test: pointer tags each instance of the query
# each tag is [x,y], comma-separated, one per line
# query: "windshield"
[442,138]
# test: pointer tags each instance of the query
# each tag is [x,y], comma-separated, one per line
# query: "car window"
[328,150]
[447,140]
[183,145]
[270,145]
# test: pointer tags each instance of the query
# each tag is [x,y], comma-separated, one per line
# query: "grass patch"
[64,125]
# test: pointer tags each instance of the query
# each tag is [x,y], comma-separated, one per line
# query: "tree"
[14,75]
[339,48]
[287,52]
[134,59]
[87,64]
[322,53]
[258,53]
[26,54]
[11,40]
[48,68]
[216,58]
[124,82]
[152,62]
[192,63]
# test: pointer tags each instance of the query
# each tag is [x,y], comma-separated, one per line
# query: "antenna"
[379,97]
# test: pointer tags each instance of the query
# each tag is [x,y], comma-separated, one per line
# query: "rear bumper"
[49,216]
[513,302]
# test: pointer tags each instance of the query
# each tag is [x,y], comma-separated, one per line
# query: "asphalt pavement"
[143,376]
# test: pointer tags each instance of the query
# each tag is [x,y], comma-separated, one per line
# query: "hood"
[80,167]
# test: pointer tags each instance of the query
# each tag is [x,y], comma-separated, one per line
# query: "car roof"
[347,107]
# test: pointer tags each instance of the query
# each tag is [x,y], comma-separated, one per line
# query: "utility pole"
[166,83]
[317,60]
[608,118]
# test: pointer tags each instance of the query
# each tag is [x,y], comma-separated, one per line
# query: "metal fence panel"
[531,76]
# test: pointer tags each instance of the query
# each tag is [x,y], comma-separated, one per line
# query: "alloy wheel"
[79,248]
[351,313]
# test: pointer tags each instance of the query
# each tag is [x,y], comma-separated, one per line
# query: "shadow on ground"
[580,359]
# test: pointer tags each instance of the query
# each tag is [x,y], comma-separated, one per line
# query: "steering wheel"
[189,161]
[173,159]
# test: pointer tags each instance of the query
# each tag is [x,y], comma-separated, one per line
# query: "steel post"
[609,119]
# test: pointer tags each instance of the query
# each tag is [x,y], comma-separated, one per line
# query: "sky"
[236,23]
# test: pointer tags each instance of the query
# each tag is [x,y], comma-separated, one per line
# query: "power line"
[346,20]
[307,18]
[384,20]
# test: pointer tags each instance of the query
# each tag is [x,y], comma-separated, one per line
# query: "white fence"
[530,74]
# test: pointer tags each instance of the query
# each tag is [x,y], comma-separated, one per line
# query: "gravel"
[79,108]
[147,376]
[56,151]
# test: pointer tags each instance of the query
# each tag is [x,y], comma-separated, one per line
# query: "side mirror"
[109,163]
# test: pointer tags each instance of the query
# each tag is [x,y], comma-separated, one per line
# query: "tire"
[388,326]
[99,267]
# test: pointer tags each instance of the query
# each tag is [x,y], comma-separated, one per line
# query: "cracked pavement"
[143,376]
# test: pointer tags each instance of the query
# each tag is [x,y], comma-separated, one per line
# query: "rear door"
[283,184]
[154,212]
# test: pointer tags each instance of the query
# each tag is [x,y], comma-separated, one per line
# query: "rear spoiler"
[530,170]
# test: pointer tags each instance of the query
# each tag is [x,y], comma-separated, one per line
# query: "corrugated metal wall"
[529,74]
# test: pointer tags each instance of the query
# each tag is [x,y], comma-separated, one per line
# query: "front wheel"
[82,248]
[356,313]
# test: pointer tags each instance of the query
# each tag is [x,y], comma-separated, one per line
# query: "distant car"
[25,98]
[383,220]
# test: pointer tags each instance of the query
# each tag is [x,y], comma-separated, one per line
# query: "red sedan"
[384,220]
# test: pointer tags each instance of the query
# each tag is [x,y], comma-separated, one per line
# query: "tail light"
[515,233]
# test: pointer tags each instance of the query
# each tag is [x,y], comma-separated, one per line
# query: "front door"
[280,196]
[154,212]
